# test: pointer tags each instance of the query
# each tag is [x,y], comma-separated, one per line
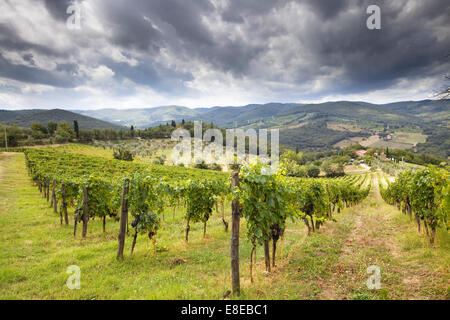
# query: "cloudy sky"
[201,53]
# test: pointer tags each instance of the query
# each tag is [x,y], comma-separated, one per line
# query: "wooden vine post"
[267,255]
[123,220]
[64,203]
[54,202]
[48,190]
[188,227]
[85,211]
[235,238]
[52,197]
[330,212]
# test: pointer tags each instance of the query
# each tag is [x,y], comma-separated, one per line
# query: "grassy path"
[331,264]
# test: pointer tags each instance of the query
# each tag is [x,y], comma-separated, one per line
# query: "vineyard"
[174,208]
[100,188]
[424,194]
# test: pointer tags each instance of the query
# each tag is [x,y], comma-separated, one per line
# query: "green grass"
[409,137]
[36,251]
[401,140]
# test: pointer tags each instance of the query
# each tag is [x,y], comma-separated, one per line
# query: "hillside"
[273,114]
[420,126]
[24,118]
[417,125]
[143,118]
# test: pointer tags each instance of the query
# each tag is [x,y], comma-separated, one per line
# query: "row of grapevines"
[269,200]
[94,185]
[426,193]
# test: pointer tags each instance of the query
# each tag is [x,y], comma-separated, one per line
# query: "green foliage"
[158,160]
[14,135]
[124,155]
[145,198]
[313,171]
[150,186]
[24,118]
[437,144]
[51,127]
[201,165]
[200,199]
[103,196]
[425,192]
[76,128]
[291,157]
[264,199]
[267,199]
[64,132]
[38,131]
[332,169]
[316,135]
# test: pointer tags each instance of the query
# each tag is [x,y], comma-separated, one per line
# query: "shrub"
[296,171]
[202,165]
[313,171]
[158,160]
[122,154]
[215,166]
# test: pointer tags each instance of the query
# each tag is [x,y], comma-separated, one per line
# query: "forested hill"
[273,114]
[24,118]
[418,126]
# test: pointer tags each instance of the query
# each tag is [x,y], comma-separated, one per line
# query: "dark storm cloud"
[129,28]
[329,8]
[184,18]
[58,8]
[29,58]
[170,40]
[180,29]
[338,38]
[10,40]
[239,9]
[35,75]
[405,46]
[149,74]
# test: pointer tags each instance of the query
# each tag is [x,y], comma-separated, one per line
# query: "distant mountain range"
[24,118]
[273,114]
[418,125]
